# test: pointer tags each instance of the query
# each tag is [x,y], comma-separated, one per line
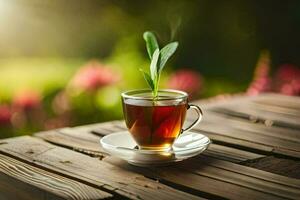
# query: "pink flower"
[93,76]
[5,114]
[262,84]
[261,80]
[287,72]
[27,100]
[187,80]
[287,80]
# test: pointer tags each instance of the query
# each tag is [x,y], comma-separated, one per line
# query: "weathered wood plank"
[49,183]
[202,176]
[289,107]
[219,151]
[230,154]
[282,166]
[241,132]
[237,143]
[242,106]
[281,137]
[11,188]
[275,99]
[277,109]
[225,138]
[244,112]
[244,176]
[214,178]
[259,174]
[283,101]
[108,128]
[78,140]
[64,137]
[252,136]
[253,127]
[88,170]
[249,136]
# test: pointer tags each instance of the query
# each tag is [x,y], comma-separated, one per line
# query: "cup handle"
[199,118]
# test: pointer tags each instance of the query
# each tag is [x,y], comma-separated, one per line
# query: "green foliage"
[153,65]
[43,75]
[158,60]
[166,53]
[126,58]
[151,43]
[52,76]
[148,79]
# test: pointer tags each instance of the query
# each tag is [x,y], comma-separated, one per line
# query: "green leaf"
[153,65]
[148,79]
[166,53]
[151,43]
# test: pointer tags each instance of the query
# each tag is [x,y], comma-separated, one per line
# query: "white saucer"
[122,145]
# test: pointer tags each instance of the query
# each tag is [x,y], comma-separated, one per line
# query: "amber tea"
[154,125]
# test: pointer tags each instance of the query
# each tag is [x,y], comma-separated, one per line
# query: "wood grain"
[215,150]
[88,170]
[49,183]
[219,173]
[244,126]
[230,154]
[252,136]
[282,101]
[254,127]
[282,166]
[88,143]
[246,113]
[78,140]
[259,174]
[11,188]
[108,128]
[248,135]
[220,179]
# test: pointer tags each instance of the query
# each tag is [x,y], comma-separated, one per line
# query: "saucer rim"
[140,151]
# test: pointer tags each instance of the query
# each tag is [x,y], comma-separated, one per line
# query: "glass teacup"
[155,123]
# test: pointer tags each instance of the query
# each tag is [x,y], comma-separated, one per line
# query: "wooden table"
[255,154]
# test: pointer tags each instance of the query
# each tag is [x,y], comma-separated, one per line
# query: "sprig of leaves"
[158,60]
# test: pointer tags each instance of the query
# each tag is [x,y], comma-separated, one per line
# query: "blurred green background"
[65,62]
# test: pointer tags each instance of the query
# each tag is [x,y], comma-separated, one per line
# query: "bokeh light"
[65,64]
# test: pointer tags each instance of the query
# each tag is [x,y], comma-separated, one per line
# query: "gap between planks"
[88,170]
[48,183]
[213,177]
[77,140]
